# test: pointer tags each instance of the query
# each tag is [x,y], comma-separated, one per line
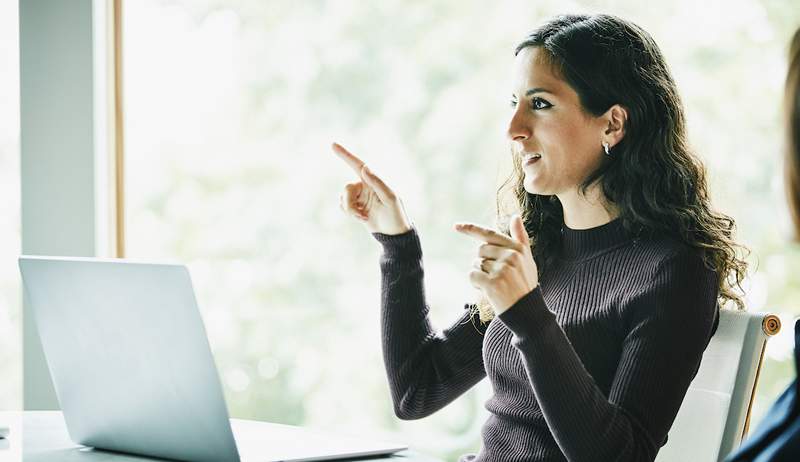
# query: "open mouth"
[531,159]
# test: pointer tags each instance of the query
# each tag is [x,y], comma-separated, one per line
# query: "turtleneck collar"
[578,244]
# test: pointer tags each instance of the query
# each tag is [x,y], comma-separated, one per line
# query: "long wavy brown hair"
[654,179]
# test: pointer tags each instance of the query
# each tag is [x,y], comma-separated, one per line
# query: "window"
[230,111]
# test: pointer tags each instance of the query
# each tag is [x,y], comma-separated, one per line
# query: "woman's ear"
[617,120]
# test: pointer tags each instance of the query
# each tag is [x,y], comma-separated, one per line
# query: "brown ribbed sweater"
[591,365]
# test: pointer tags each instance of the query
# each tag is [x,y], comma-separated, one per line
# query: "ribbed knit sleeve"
[426,369]
[668,324]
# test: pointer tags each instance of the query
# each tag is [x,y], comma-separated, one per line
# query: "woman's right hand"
[370,200]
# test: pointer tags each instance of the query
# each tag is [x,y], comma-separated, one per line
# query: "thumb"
[518,231]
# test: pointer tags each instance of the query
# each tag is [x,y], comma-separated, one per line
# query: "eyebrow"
[535,90]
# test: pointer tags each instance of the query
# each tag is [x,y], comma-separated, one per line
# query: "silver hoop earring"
[606,148]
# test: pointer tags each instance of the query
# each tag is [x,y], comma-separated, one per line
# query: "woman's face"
[548,120]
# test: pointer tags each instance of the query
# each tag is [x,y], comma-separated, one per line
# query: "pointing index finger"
[485,234]
[349,158]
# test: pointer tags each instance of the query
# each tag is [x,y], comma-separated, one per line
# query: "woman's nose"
[517,128]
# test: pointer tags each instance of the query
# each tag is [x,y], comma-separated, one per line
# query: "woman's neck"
[589,211]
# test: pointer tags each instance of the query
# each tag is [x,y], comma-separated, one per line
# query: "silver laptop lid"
[129,357]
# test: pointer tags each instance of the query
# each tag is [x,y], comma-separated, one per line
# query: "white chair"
[715,413]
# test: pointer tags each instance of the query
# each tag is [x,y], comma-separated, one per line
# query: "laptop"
[133,370]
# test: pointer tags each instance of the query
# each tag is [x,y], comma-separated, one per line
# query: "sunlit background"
[10,286]
[230,109]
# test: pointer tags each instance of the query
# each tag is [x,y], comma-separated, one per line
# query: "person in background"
[600,295]
[777,437]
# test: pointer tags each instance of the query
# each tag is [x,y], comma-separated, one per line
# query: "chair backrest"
[715,413]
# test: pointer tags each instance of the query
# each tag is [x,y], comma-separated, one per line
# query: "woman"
[603,294]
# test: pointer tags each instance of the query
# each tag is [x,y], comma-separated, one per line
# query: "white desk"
[42,437]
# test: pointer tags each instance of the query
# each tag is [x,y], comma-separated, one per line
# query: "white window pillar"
[63,148]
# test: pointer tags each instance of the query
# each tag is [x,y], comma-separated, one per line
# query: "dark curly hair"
[653,177]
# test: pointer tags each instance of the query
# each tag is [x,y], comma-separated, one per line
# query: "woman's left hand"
[505,270]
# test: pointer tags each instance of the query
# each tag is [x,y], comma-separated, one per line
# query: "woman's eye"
[536,104]
[539,103]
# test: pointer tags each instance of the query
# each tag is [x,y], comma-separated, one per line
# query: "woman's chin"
[534,188]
